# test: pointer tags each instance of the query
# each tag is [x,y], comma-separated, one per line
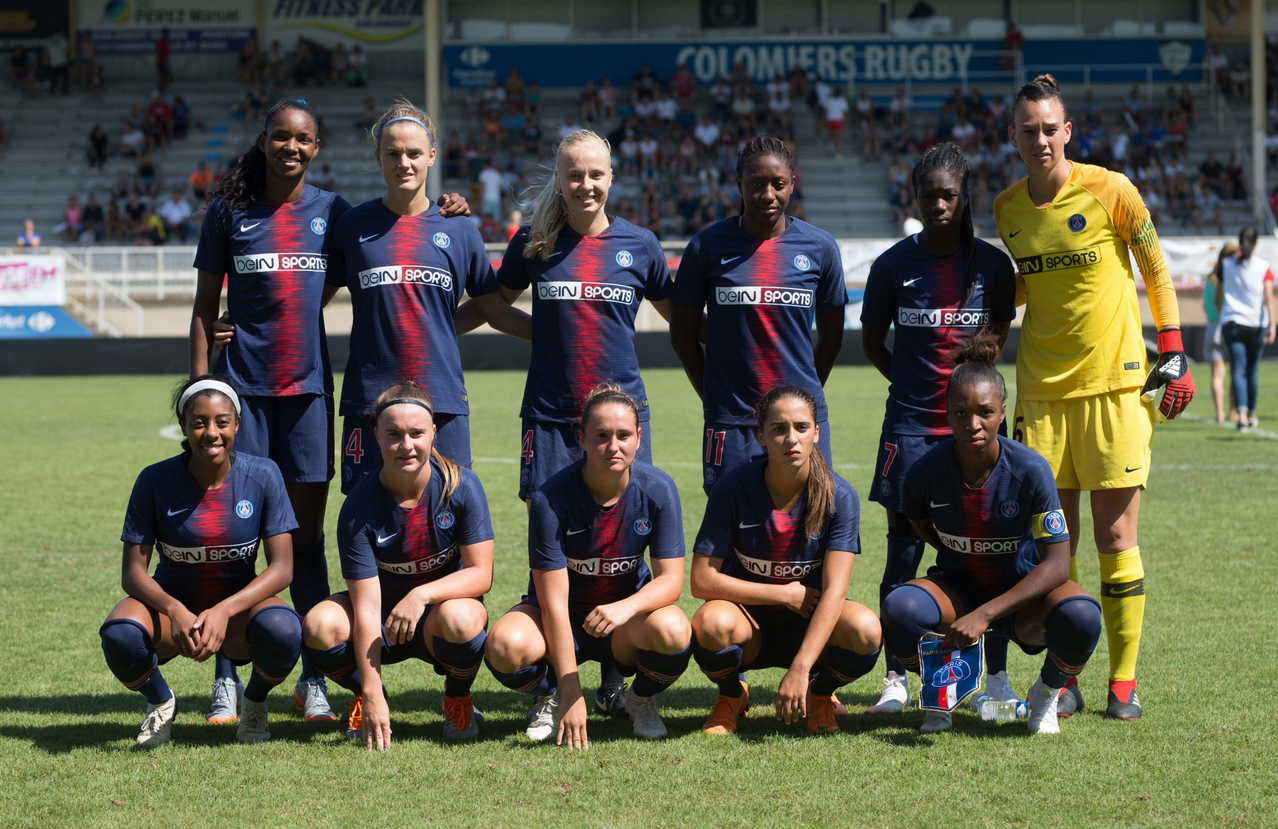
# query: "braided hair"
[246,178]
[948,157]
[761,147]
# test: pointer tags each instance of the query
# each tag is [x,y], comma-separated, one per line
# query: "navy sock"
[1073,628]
[536,679]
[223,668]
[338,664]
[130,654]
[721,667]
[909,611]
[904,552]
[658,671]
[841,667]
[309,588]
[995,654]
[274,636]
[609,675]
[460,661]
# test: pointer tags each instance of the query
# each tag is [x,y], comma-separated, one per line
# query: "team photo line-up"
[774,554]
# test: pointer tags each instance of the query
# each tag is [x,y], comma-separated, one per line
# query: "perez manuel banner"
[132,26]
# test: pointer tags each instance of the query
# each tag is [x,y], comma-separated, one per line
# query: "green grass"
[1204,754]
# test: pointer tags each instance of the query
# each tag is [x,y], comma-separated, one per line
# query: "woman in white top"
[836,110]
[1246,324]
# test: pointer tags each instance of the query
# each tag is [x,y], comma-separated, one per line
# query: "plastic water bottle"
[999,710]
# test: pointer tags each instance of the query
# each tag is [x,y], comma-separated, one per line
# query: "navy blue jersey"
[760,299]
[760,543]
[602,547]
[922,296]
[406,275]
[585,298]
[406,548]
[275,258]
[987,533]
[207,538]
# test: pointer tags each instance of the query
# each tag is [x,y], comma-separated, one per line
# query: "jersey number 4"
[355,445]
[526,453]
[714,446]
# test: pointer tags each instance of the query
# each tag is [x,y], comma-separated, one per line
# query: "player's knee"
[909,611]
[326,626]
[461,619]
[859,629]
[509,647]
[1074,624]
[671,629]
[713,625]
[275,628]
[124,639]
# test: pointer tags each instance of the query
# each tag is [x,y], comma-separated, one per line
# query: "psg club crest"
[1054,522]
[444,520]
[624,259]
[643,526]
[980,280]
[709,476]
[950,675]
[1077,222]
[886,487]
[244,509]
[318,226]
[441,240]
[1009,508]
[802,262]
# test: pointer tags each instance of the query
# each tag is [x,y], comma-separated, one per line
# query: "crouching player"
[591,595]
[205,510]
[989,506]
[416,546]
[773,560]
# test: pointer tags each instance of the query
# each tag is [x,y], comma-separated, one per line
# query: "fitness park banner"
[372,24]
[133,26]
[32,280]
[843,61]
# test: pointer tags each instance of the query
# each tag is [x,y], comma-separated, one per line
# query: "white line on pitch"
[1233,427]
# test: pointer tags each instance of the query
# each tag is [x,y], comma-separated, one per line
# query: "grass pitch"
[1205,753]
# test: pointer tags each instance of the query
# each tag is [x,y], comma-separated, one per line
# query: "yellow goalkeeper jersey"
[1081,334]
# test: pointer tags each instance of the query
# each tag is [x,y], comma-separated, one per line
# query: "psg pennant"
[949,675]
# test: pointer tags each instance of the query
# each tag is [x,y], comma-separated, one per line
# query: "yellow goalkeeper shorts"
[1097,442]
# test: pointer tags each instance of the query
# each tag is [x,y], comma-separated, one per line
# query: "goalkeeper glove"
[1171,374]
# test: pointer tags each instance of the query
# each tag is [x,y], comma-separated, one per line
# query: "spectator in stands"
[778,91]
[368,115]
[134,212]
[148,172]
[568,127]
[1235,179]
[176,216]
[116,228]
[514,86]
[798,83]
[493,184]
[532,101]
[1013,44]
[181,117]
[98,147]
[589,97]
[28,238]
[276,63]
[1218,63]
[92,220]
[256,102]
[836,112]
[249,60]
[607,100]
[1206,204]
[133,142]
[1187,104]
[159,118]
[1134,107]
[303,64]
[493,98]
[59,64]
[743,104]
[707,134]
[200,182]
[21,72]
[645,80]
[683,84]
[163,63]
[667,108]
[1212,173]
[324,179]
[86,55]
[149,229]
[721,99]
[871,138]
[71,223]
[357,73]
[963,133]
[513,221]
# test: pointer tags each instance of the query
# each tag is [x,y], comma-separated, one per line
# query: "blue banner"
[950,675]
[28,322]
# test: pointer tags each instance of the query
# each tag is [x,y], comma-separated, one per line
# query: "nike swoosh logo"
[1131,468]
[909,282]
[1012,235]
[726,261]
[744,526]
[1124,589]
[553,255]
[247,228]
[364,239]
[934,505]
[174,512]
[383,539]
[574,532]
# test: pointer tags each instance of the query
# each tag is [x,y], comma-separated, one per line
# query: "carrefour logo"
[475,56]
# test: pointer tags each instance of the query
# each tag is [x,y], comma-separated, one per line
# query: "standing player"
[406,266]
[416,545]
[591,595]
[1080,362]
[989,507]
[206,511]
[936,288]
[762,277]
[772,561]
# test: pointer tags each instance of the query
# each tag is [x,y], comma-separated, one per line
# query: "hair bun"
[981,347]
[1048,81]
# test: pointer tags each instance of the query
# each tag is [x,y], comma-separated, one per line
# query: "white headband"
[209,385]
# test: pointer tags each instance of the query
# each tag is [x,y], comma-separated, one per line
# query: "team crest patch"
[444,520]
[1077,222]
[244,509]
[643,526]
[625,259]
[1009,508]
[347,473]
[886,487]
[524,476]
[1054,522]
[949,675]
[441,240]
[318,226]
[802,262]
[980,280]
[709,476]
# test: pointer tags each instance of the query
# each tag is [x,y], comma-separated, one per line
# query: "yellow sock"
[1123,607]
[1073,569]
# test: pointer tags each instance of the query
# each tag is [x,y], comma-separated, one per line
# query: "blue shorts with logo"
[295,431]
[589,648]
[897,453]
[547,446]
[724,447]
[414,648]
[361,455]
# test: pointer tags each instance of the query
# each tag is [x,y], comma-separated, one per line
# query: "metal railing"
[104,306]
[1114,73]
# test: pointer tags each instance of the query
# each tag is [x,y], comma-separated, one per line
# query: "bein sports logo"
[625,259]
[941,317]
[441,240]
[280,262]
[244,509]
[603,566]
[406,275]
[951,673]
[586,292]
[475,56]
[764,295]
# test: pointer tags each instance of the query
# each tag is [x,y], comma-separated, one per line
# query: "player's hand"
[572,722]
[210,627]
[185,637]
[792,697]
[1269,336]
[1171,374]
[965,630]
[801,599]
[223,331]
[453,204]
[401,624]
[606,618]
[377,730]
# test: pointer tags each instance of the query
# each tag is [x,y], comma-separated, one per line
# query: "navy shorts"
[1003,628]
[588,648]
[361,455]
[724,447]
[897,453]
[295,431]
[547,446]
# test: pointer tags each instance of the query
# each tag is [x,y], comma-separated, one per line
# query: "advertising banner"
[32,322]
[23,23]
[132,26]
[32,280]
[372,24]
